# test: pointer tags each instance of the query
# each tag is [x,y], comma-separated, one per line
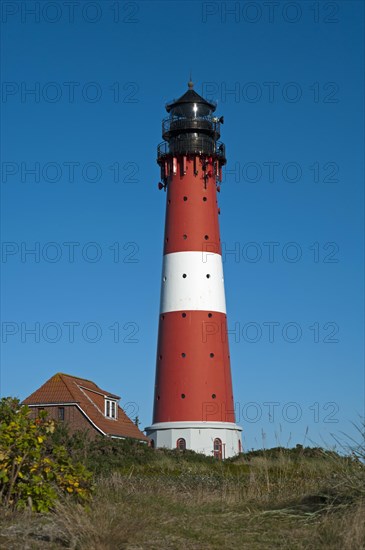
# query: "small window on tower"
[61,413]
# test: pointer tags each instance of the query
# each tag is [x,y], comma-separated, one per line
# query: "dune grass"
[293,499]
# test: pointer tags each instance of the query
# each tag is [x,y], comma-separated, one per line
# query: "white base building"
[219,439]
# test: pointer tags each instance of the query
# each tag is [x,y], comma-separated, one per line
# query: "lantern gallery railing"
[185,145]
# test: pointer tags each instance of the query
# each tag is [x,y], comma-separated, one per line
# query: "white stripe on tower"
[192,281]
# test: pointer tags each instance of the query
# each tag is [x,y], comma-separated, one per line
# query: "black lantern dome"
[191,128]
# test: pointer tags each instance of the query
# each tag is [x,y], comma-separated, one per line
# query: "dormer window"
[110,408]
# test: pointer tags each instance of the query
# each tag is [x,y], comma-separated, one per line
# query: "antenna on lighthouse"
[190,83]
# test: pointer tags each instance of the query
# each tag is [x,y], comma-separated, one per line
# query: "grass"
[148,499]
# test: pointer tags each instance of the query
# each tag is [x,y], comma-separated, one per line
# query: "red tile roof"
[64,388]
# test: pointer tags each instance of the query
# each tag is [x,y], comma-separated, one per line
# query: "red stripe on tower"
[193,402]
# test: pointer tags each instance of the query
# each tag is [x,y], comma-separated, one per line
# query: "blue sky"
[288,79]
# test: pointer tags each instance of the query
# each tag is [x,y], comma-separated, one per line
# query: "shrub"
[104,455]
[31,474]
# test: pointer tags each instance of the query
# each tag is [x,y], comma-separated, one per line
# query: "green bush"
[103,455]
[31,473]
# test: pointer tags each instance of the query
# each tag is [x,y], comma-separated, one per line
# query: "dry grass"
[263,503]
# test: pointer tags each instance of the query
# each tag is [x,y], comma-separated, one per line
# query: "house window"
[217,448]
[110,408]
[181,444]
[61,413]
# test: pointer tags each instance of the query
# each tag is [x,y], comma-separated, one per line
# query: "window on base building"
[110,408]
[61,413]
[181,444]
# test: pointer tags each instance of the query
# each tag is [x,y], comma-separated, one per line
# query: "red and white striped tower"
[193,403]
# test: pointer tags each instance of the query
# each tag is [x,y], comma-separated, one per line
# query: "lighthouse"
[193,398]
